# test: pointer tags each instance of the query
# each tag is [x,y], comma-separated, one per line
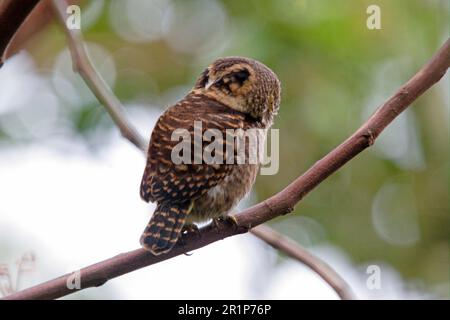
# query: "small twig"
[293,250]
[5,280]
[83,65]
[12,14]
[24,264]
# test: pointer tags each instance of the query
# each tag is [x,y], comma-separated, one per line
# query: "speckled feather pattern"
[187,193]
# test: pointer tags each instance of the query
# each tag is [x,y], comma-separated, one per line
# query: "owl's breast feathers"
[166,182]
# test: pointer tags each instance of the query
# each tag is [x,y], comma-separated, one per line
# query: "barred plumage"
[232,93]
[165,227]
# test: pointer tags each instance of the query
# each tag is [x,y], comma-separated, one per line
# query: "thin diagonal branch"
[12,14]
[279,204]
[84,66]
[293,250]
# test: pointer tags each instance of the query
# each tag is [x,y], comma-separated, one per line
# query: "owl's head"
[244,85]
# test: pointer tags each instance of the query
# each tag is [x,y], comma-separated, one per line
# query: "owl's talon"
[215,221]
[181,241]
[224,219]
[232,220]
[191,228]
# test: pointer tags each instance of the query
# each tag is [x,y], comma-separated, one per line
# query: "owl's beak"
[210,83]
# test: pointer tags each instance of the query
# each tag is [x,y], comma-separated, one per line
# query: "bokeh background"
[69,182]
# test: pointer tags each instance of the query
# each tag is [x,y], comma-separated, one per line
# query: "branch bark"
[83,65]
[293,250]
[279,204]
[12,14]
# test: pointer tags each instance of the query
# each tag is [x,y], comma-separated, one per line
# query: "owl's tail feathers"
[164,228]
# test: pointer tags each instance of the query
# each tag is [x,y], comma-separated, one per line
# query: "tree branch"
[293,250]
[84,67]
[279,204]
[12,14]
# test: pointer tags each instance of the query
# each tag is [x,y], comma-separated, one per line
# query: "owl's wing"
[164,181]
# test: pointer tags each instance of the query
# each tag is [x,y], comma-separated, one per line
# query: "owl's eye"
[240,76]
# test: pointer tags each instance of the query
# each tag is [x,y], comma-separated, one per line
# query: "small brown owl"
[232,93]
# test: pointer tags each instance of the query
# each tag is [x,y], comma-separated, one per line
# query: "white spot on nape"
[216,192]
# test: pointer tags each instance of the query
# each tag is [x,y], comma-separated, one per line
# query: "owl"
[232,93]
